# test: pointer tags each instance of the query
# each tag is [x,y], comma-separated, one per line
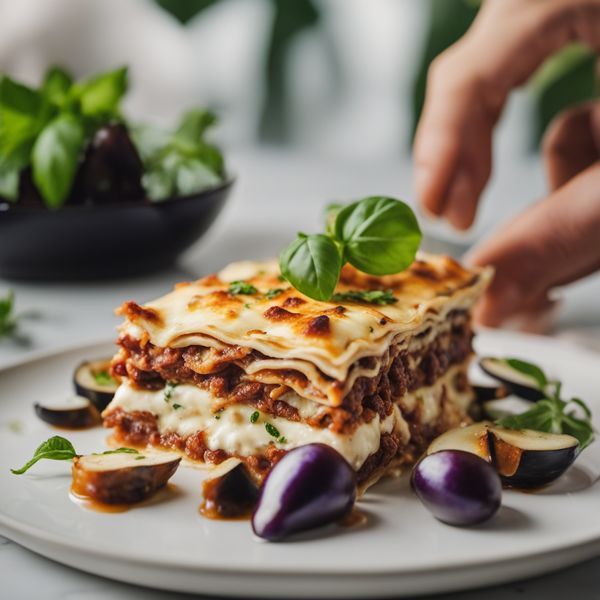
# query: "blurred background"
[317,99]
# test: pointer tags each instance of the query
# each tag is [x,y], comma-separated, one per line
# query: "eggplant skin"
[537,469]
[121,486]
[70,418]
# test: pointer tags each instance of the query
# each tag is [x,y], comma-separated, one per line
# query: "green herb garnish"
[273,293]
[169,390]
[59,448]
[218,413]
[241,287]
[47,128]
[177,406]
[8,321]
[181,162]
[551,414]
[55,448]
[117,451]
[272,430]
[103,378]
[282,440]
[254,416]
[366,296]
[377,235]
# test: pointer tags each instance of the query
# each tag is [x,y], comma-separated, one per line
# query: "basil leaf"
[23,113]
[366,296]
[530,370]
[380,235]
[56,85]
[101,95]
[55,448]
[545,415]
[550,415]
[312,264]
[194,124]
[331,212]
[55,159]
[192,176]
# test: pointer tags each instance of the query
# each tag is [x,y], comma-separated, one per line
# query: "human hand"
[549,244]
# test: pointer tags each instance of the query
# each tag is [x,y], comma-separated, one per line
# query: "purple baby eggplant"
[457,487]
[310,486]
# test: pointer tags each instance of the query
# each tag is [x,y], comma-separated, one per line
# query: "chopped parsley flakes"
[169,390]
[254,416]
[273,293]
[242,287]
[272,430]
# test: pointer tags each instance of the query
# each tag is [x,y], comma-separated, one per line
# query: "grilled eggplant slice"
[514,381]
[121,478]
[92,380]
[74,412]
[523,458]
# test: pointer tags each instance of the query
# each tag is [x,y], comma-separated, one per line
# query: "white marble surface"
[276,195]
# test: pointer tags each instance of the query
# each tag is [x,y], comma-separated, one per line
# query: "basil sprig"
[47,128]
[180,162]
[377,235]
[59,448]
[551,414]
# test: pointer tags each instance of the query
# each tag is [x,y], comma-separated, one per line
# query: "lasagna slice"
[240,364]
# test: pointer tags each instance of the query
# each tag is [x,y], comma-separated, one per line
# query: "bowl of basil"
[85,193]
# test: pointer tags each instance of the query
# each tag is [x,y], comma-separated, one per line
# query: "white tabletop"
[276,195]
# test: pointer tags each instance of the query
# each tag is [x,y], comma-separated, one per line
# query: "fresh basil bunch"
[551,414]
[377,235]
[180,162]
[47,128]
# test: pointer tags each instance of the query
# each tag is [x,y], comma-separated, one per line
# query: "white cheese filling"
[186,409]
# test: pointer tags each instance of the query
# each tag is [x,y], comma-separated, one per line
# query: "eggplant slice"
[121,478]
[514,381]
[230,492]
[523,458]
[92,380]
[75,412]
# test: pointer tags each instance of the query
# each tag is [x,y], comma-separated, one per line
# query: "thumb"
[554,242]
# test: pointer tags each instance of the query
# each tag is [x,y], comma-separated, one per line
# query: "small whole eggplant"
[310,486]
[111,170]
[457,487]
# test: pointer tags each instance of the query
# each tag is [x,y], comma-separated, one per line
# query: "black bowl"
[94,242]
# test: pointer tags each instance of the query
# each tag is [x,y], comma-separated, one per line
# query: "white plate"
[401,551]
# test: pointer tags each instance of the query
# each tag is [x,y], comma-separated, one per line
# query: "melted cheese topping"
[232,430]
[291,326]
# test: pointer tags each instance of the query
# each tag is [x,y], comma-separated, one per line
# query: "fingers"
[572,143]
[554,242]
[467,88]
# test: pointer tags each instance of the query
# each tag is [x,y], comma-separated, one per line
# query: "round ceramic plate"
[401,550]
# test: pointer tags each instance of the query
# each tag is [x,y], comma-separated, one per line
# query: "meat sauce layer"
[151,367]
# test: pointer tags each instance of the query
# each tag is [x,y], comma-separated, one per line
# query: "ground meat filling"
[139,429]
[150,367]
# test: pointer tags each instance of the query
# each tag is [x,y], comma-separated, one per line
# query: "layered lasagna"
[240,364]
